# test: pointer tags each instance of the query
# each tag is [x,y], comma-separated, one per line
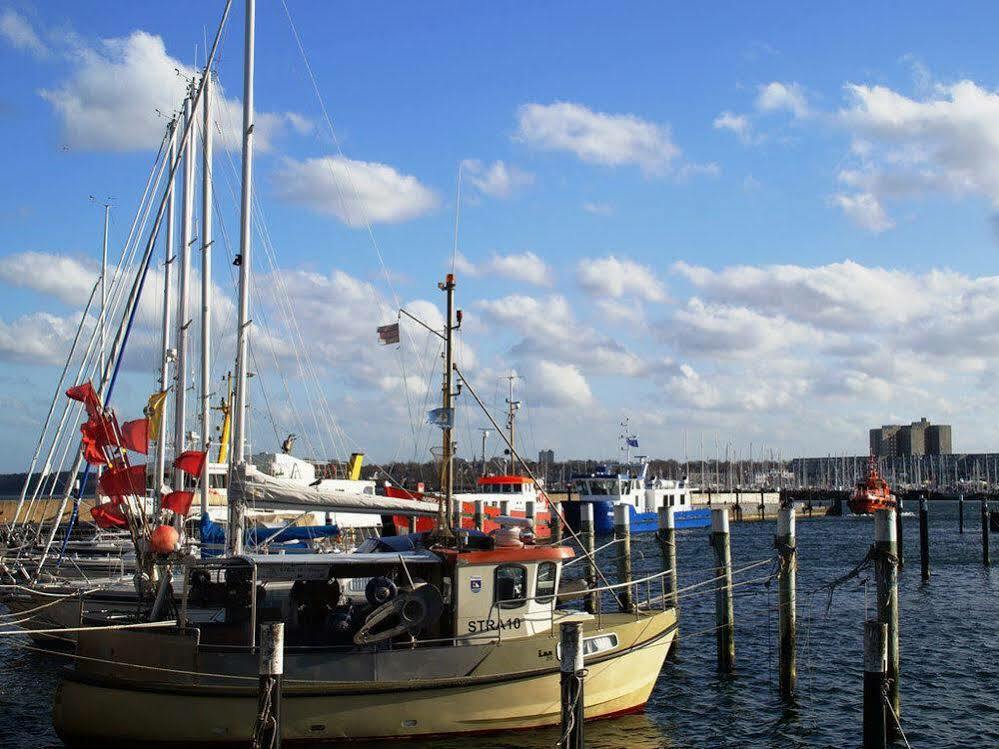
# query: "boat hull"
[640,522]
[506,690]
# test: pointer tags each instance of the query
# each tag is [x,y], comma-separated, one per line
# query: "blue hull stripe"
[641,522]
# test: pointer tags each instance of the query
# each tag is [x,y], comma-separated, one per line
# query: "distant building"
[918,438]
[547,457]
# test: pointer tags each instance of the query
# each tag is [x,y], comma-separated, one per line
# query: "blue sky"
[743,222]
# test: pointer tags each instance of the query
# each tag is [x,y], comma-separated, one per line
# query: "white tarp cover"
[260,490]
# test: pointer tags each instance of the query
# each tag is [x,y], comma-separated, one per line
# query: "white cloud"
[18,33]
[597,137]
[67,279]
[599,209]
[777,96]
[617,277]
[559,385]
[864,209]
[735,123]
[518,266]
[497,179]
[354,191]
[38,338]
[730,331]
[124,89]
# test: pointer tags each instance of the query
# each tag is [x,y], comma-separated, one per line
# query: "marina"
[270,449]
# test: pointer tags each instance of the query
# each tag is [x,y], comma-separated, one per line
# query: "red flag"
[179,502]
[86,394]
[92,451]
[191,462]
[135,435]
[122,482]
[108,516]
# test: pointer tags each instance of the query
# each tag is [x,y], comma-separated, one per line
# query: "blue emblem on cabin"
[475,584]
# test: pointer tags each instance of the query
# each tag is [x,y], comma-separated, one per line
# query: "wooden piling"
[886,575]
[787,625]
[412,524]
[572,673]
[622,534]
[763,507]
[724,609]
[555,523]
[960,513]
[898,533]
[924,540]
[267,730]
[587,532]
[666,536]
[986,560]
[875,667]
[530,512]
[480,515]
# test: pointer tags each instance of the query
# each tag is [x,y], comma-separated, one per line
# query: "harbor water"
[949,679]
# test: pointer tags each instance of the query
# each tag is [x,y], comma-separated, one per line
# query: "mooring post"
[724,609]
[555,522]
[787,626]
[589,541]
[886,575]
[875,665]
[960,513]
[412,524]
[267,730]
[666,536]
[458,513]
[985,533]
[572,673]
[762,506]
[924,540]
[480,515]
[622,534]
[530,512]
[898,534]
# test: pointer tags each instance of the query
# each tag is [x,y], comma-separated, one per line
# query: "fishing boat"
[871,494]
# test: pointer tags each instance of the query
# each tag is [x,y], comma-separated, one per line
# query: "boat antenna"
[511,414]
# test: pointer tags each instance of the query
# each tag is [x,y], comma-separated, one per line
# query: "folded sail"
[257,489]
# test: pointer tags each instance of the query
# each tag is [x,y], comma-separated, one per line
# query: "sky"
[730,224]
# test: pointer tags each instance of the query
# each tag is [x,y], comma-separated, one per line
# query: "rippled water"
[950,685]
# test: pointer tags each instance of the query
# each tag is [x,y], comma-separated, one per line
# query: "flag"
[154,412]
[86,394]
[123,482]
[90,439]
[633,442]
[108,516]
[442,417]
[179,502]
[389,333]
[135,435]
[191,462]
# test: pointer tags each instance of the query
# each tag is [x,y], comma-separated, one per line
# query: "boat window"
[599,644]
[510,586]
[545,589]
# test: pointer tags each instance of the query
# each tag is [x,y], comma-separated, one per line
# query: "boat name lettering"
[486,625]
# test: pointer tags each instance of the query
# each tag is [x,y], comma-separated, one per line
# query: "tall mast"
[447,388]
[104,283]
[206,282]
[235,535]
[511,417]
[183,318]
[165,353]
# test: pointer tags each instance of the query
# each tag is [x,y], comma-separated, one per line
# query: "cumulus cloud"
[356,192]
[497,179]
[597,137]
[865,210]
[122,88]
[68,279]
[559,385]
[17,31]
[735,123]
[599,209]
[618,277]
[37,338]
[517,266]
[777,96]
[729,331]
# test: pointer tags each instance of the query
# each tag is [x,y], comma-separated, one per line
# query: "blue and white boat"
[644,496]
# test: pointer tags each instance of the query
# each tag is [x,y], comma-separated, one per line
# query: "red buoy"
[164,539]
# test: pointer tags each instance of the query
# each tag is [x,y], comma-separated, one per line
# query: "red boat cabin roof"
[493,480]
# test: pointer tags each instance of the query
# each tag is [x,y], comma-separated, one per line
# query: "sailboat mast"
[511,417]
[235,535]
[165,354]
[206,282]
[104,283]
[183,318]
[446,466]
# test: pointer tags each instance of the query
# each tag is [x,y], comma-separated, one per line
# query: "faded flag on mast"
[441,417]
[389,334]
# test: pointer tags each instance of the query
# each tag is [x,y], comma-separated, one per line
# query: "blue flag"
[633,442]
[442,417]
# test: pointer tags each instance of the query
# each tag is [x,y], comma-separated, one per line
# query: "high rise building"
[918,438]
